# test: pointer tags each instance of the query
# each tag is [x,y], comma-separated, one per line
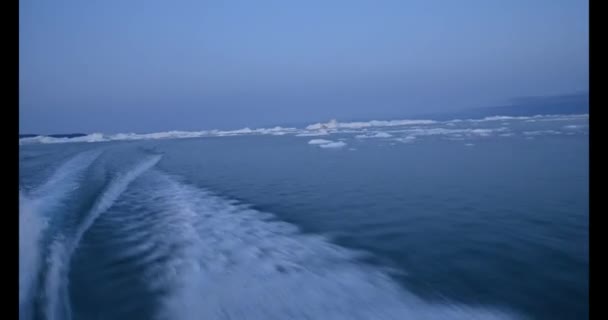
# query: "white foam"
[563,117]
[406,139]
[57,304]
[118,186]
[327,143]
[575,127]
[319,141]
[31,226]
[33,210]
[63,180]
[99,137]
[333,124]
[541,132]
[63,249]
[374,135]
[497,118]
[313,133]
[230,262]
[157,135]
[276,131]
[317,129]
[538,117]
[333,145]
[94,137]
[453,132]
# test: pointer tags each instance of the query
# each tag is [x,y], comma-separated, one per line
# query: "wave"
[327,143]
[333,145]
[455,132]
[319,141]
[33,210]
[100,137]
[223,260]
[313,134]
[541,132]
[56,299]
[575,127]
[546,117]
[317,129]
[406,139]
[31,226]
[206,257]
[375,135]
[63,180]
[62,249]
[333,124]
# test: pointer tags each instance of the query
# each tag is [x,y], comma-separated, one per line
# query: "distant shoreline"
[317,129]
[569,104]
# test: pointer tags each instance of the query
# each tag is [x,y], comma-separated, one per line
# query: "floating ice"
[411,127]
[375,135]
[319,141]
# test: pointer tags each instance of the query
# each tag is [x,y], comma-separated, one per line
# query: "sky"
[144,66]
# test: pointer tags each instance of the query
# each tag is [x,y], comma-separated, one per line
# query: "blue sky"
[143,66]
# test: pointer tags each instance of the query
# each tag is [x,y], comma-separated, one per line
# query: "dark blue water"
[450,224]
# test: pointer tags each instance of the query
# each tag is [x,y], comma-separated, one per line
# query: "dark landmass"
[63,135]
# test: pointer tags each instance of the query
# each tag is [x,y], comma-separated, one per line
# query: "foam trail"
[117,187]
[63,249]
[64,180]
[32,222]
[55,290]
[230,262]
[31,226]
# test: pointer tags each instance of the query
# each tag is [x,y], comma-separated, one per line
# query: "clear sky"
[143,66]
